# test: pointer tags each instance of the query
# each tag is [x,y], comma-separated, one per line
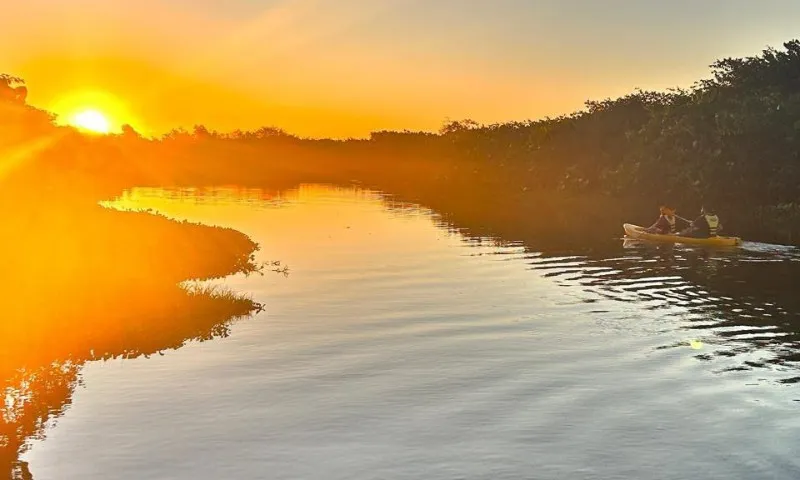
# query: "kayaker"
[666,222]
[705,226]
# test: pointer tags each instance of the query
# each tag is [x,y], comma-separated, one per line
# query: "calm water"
[397,348]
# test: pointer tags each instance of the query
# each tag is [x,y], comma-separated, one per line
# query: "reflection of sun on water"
[91,120]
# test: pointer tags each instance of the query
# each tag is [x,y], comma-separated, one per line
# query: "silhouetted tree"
[12,89]
[129,131]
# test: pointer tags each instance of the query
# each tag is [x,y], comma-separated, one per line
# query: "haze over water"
[398,347]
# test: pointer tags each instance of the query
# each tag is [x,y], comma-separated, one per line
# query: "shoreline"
[84,283]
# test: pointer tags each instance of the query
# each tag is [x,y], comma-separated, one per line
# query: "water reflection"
[38,373]
[390,339]
[741,302]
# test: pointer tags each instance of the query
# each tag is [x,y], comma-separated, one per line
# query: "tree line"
[730,141]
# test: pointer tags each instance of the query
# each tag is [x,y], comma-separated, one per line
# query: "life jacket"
[671,221]
[713,224]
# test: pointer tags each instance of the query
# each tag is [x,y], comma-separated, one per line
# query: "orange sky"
[346,67]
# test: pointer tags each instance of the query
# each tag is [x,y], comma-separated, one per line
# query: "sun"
[94,110]
[92,120]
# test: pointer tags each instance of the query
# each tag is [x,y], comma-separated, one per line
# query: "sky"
[344,68]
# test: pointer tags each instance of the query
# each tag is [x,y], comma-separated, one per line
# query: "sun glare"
[91,120]
[94,111]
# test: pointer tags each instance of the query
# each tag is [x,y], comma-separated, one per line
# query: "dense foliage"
[731,140]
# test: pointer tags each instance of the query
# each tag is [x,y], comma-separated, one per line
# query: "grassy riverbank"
[81,282]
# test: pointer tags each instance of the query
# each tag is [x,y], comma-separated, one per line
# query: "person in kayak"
[707,225]
[666,223]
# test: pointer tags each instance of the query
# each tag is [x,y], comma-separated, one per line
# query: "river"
[398,347]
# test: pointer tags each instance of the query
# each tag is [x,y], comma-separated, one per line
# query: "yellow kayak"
[638,233]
